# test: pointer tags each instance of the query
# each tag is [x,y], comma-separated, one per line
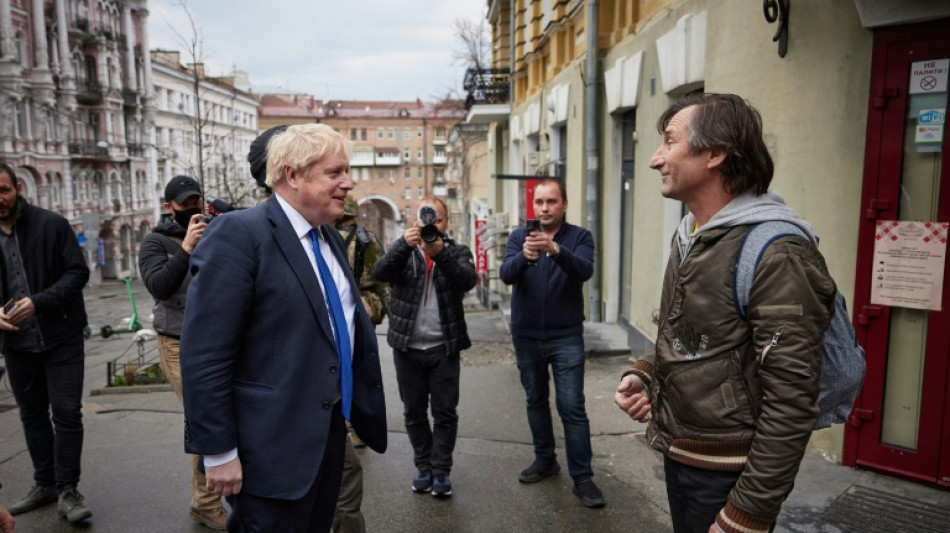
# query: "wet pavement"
[136,477]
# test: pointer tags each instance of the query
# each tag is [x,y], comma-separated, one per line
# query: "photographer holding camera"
[163,263]
[429,275]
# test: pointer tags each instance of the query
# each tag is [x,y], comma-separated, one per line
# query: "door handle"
[868,313]
[875,207]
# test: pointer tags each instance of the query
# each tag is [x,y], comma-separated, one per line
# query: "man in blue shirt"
[548,269]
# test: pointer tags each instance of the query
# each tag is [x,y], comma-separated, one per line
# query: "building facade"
[203,128]
[853,103]
[401,153]
[75,107]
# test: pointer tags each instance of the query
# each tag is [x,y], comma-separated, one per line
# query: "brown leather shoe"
[213,519]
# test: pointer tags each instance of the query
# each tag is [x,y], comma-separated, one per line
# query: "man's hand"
[530,248]
[6,521]
[539,241]
[24,310]
[631,399]
[224,480]
[413,236]
[196,227]
[433,248]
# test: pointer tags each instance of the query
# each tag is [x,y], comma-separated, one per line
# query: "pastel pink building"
[75,93]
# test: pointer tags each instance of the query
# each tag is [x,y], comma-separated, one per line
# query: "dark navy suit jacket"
[258,362]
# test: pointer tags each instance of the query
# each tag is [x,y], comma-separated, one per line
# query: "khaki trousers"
[348,517]
[201,499]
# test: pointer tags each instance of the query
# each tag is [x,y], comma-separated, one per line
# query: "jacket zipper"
[770,345]
[26,281]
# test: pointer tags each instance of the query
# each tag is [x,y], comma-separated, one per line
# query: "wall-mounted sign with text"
[909,258]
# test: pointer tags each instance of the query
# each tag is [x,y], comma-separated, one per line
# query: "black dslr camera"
[215,208]
[429,216]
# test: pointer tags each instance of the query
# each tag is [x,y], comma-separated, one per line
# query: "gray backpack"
[843,366]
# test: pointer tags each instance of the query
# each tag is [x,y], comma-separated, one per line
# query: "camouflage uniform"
[375,292]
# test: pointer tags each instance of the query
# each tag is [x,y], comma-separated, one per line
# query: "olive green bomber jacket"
[735,395]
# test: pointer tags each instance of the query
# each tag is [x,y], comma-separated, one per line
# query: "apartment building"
[401,153]
[204,130]
[853,96]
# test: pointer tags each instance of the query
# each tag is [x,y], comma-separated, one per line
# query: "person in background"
[429,278]
[6,519]
[163,263]
[362,252]
[41,337]
[548,269]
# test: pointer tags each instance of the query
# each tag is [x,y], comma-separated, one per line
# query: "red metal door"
[901,421]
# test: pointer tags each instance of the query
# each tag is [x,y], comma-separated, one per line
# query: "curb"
[132,389]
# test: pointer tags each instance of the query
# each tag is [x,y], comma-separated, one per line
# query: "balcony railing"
[487,86]
[135,149]
[387,159]
[89,91]
[362,159]
[88,148]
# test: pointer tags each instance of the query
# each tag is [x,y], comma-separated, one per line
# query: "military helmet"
[350,207]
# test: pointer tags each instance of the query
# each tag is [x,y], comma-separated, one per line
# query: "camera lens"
[429,233]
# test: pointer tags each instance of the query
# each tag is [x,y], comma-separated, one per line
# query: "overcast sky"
[339,49]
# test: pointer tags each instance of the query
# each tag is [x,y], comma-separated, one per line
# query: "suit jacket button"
[333,369]
[326,405]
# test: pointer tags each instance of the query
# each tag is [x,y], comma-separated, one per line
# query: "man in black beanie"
[257,155]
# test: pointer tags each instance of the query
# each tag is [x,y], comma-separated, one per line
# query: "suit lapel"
[289,245]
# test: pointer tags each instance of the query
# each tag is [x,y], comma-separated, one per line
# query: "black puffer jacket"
[453,274]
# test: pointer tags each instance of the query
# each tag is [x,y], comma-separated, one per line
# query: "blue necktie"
[341,334]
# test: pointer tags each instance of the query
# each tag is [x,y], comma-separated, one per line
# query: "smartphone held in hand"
[532,225]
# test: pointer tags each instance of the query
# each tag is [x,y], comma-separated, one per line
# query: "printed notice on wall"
[908,264]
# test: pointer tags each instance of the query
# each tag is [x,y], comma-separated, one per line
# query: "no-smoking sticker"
[929,76]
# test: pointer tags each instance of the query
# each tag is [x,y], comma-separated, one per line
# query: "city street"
[136,476]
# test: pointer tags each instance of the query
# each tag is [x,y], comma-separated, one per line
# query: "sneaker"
[37,497]
[441,487]
[422,481]
[589,494]
[70,507]
[538,471]
[212,519]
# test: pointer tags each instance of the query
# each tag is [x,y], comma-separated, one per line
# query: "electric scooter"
[134,323]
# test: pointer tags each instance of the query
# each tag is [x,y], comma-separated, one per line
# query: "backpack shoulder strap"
[754,243]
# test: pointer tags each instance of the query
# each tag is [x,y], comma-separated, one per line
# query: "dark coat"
[453,274]
[547,301]
[258,359]
[55,270]
[164,267]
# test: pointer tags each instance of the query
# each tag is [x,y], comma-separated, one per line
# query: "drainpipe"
[511,53]
[591,91]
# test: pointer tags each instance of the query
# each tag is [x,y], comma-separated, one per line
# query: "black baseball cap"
[181,188]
